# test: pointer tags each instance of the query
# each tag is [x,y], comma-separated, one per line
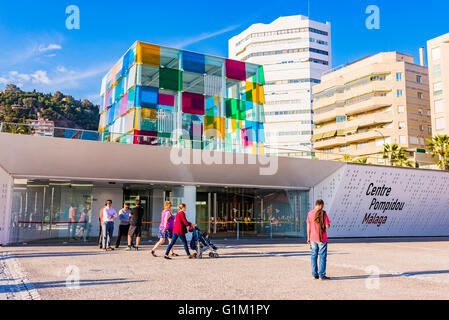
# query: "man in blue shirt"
[124,223]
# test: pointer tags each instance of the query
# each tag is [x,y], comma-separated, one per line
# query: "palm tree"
[402,160]
[346,158]
[439,147]
[362,161]
[391,152]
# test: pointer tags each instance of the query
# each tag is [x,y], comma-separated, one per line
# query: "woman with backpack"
[317,225]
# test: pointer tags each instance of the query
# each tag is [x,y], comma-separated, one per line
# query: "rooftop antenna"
[308,10]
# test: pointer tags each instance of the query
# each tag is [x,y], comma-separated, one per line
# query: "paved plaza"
[402,268]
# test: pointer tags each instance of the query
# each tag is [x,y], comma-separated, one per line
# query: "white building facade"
[295,52]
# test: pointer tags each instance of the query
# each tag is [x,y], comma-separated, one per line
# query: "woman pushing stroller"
[179,231]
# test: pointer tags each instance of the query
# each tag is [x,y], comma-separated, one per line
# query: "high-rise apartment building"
[381,99]
[438,57]
[295,52]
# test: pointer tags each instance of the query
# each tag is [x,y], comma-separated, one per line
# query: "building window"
[363,145]
[437,71]
[421,127]
[438,88]
[439,124]
[342,119]
[420,111]
[401,109]
[439,106]
[413,140]
[420,95]
[401,125]
[429,130]
[399,76]
[345,148]
[418,79]
[400,93]
[381,142]
[403,139]
[436,54]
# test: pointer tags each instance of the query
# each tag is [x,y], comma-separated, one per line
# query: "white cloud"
[50,47]
[40,77]
[61,78]
[184,43]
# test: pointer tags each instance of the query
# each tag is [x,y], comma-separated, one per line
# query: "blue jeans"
[107,231]
[319,249]
[173,241]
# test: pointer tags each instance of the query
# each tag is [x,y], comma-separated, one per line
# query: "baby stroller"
[201,244]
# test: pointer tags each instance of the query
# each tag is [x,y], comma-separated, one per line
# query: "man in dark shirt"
[136,226]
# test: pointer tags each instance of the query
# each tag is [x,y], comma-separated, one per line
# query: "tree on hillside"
[439,147]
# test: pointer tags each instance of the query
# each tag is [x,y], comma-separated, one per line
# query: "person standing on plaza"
[124,224]
[109,214]
[317,226]
[135,230]
[165,229]
[100,220]
[179,231]
[73,223]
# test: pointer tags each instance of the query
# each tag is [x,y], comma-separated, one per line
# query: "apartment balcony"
[364,136]
[329,143]
[375,119]
[368,105]
[328,115]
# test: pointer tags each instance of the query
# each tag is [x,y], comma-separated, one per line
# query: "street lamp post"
[385,142]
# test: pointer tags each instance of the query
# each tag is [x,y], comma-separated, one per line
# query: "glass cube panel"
[193,62]
[193,82]
[148,54]
[170,58]
[147,97]
[132,77]
[148,76]
[213,85]
[214,127]
[170,79]
[193,126]
[167,99]
[193,103]
[235,70]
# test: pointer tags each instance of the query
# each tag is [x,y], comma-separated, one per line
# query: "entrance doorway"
[226,212]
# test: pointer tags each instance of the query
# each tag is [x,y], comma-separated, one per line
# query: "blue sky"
[37,51]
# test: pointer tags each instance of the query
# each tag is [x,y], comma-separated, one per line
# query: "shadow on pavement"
[390,275]
[48,254]
[62,284]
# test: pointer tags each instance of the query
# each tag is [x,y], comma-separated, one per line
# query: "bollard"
[238,229]
[271,230]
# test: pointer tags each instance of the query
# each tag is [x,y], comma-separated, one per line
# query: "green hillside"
[18,106]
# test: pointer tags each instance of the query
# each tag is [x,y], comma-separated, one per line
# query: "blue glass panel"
[147,97]
[193,62]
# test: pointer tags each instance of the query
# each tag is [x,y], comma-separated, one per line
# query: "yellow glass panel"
[149,114]
[148,54]
[260,94]
[261,148]
[214,126]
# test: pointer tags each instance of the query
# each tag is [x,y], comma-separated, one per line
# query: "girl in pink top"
[165,228]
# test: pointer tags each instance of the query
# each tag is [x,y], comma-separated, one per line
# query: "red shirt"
[314,227]
[181,224]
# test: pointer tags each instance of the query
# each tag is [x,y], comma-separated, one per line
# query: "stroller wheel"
[195,255]
[211,255]
[216,255]
[200,256]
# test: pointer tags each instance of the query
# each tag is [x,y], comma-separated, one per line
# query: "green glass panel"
[170,79]
[261,76]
